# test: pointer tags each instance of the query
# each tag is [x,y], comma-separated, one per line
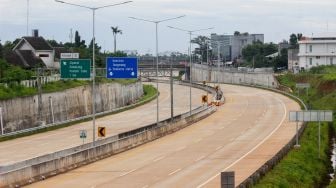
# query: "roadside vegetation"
[302,167]
[149,94]
[13,89]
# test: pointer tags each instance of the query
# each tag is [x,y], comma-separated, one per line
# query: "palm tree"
[115,31]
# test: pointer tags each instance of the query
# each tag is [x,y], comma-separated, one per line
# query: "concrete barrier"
[39,168]
[21,113]
[261,80]
[213,74]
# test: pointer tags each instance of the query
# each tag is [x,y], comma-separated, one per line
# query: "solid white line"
[127,173]
[219,147]
[174,172]
[283,119]
[200,158]
[157,159]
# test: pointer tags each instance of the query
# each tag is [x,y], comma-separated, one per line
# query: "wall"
[22,113]
[211,74]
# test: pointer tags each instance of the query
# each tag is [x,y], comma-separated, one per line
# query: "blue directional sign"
[121,67]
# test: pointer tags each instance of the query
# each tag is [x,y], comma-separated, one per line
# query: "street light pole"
[218,60]
[156,22]
[190,75]
[27,17]
[190,79]
[93,60]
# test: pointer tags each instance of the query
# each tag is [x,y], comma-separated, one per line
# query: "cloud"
[275,18]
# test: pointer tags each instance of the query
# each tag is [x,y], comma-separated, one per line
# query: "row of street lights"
[156,22]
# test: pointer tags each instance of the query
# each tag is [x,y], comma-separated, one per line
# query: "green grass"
[302,167]
[149,93]
[15,91]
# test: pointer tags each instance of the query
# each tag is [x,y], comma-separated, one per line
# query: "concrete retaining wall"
[211,74]
[22,113]
[52,164]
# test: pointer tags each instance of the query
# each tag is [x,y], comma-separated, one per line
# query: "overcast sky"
[277,19]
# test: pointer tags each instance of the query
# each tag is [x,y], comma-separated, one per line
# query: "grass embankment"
[149,92]
[15,90]
[302,167]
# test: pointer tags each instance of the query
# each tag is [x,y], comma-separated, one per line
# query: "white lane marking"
[200,158]
[174,172]
[127,173]
[159,158]
[219,147]
[266,138]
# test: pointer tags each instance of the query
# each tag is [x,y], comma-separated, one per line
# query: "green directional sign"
[75,68]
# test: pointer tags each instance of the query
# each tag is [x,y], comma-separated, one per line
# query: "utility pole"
[39,97]
[171,92]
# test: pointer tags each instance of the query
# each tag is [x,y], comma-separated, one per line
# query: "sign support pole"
[319,138]
[297,134]
[1,122]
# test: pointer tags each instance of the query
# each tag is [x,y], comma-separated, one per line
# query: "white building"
[40,48]
[316,51]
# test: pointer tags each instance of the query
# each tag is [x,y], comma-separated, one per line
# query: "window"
[310,48]
[318,57]
[331,61]
[310,61]
[44,55]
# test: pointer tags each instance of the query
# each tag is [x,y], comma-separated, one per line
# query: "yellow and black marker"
[101,131]
[204,99]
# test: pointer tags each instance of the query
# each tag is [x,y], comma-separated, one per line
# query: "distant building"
[293,60]
[283,45]
[40,47]
[31,52]
[231,45]
[316,51]
[225,45]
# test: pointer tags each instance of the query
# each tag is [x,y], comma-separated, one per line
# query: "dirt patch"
[327,87]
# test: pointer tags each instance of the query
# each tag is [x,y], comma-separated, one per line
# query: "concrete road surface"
[242,135]
[49,142]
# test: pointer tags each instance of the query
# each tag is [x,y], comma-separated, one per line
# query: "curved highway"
[241,136]
[39,144]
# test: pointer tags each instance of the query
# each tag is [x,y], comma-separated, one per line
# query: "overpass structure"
[164,70]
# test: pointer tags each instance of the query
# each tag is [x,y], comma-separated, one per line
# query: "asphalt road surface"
[241,136]
[36,145]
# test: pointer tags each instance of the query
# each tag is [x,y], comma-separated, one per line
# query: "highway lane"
[49,142]
[242,135]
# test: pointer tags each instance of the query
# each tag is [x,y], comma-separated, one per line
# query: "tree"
[1,51]
[77,40]
[202,41]
[115,31]
[258,51]
[293,40]
[3,67]
[236,33]
[299,36]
